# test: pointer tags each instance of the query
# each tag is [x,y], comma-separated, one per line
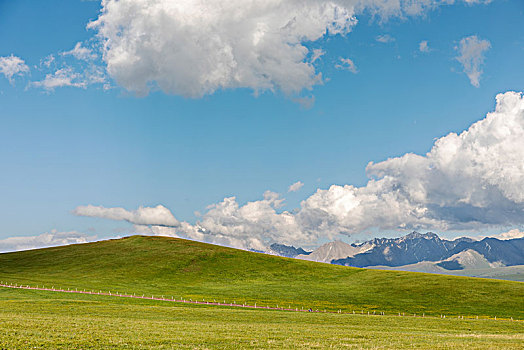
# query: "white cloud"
[80,53]
[156,230]
[67,76]
[423,46]
[511,234]
[317,53]
[467,181]
[347,64]
[386,38]
[196,47]
[60,78]
[295,187]
[252,225]
[193,48]
[47,61]
[471,55]
[11,66]
[472,2]
[159,215]
[48,239]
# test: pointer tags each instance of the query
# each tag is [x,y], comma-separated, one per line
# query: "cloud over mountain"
[193,48]
[466,181]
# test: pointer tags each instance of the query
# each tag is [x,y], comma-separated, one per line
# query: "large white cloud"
[159,215]
[196,47]
[48,239]
[467,181]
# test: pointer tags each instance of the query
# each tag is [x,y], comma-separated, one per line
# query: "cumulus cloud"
[193,48]
[252,225]
[295,187]
[196,47]
[471,55]
[159,215]
[347,64]
[48,239]
[423,46]
[11,66]
[467,181]
[386,38]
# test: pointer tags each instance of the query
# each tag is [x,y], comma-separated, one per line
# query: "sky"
[246,123]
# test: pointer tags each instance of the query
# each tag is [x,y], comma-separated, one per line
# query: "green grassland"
[181,268]
[51,320]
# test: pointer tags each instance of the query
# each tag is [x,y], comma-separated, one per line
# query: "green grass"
[49,320]
[181,268]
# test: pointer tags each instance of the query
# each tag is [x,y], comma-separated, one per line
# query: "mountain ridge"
[415,248]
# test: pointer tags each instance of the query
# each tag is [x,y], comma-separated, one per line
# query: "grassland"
[193,270]
[50,320]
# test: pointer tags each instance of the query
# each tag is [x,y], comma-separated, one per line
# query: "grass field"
[181,268]
[50,320]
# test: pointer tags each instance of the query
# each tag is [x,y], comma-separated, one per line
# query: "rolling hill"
[182,268]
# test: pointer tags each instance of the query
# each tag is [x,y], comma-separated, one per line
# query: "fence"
[233,304]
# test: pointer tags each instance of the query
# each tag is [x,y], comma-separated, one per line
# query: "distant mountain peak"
[286,250]
[417,247]
[334,250]
[417,235]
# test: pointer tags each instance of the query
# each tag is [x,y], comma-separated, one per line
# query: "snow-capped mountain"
[417,247]
[286,250]
[334,250]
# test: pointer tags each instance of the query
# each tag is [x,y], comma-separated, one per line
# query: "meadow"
[198,271]
[44,320]
[480,313]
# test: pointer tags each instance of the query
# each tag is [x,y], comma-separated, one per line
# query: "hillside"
[169,266]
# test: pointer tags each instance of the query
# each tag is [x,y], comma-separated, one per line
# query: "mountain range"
[425,253]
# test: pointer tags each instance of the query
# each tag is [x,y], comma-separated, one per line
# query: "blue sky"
[102,144]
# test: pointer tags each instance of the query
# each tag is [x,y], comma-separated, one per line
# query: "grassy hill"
[181,268]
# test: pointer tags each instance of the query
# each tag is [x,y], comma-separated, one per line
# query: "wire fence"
[234,304]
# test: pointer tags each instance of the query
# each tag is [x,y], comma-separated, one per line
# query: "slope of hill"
[169,266]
